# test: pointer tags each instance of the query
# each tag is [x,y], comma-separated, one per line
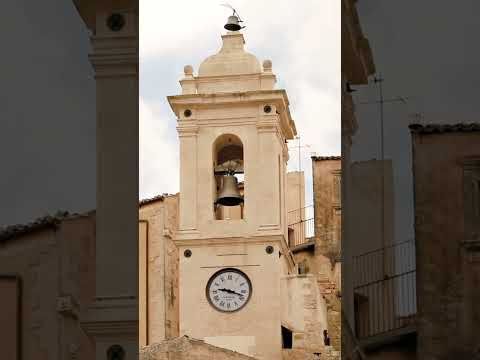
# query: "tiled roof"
[48,221]
[52,221]
[321,158]
[443,128]
[153,199]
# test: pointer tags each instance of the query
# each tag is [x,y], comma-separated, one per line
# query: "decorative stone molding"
[114,56]
[68,306]
[267,126]
[187,130]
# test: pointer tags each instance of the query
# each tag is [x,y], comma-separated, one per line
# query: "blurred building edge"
[111,320]
[446,169]
[53,260]
[416,298]
[357,65]
[378,313]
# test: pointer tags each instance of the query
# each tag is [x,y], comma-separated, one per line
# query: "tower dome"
[232,59]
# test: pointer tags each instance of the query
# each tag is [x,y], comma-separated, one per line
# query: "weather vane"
[233,22]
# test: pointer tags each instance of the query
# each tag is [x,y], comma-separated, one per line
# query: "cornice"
[228,241]
[278,98]
[114,56]
[257,96]
[187,130]
[267,126]
[111,328]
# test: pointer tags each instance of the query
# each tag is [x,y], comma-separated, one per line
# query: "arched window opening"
[229,178]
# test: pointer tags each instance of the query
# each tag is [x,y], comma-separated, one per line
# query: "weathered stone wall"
[161,265]
[326,263]
[185,348]
[56,269]
[326,201]
[448,269]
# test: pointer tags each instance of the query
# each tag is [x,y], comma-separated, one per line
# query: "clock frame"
[224,271]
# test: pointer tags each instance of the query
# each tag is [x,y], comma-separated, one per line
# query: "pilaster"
[112,319]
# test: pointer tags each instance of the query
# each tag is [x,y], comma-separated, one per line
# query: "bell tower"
[232,237]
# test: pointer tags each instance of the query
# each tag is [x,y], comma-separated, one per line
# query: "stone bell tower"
[231,120]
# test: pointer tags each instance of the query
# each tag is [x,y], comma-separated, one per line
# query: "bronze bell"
[232,23]
[229,194]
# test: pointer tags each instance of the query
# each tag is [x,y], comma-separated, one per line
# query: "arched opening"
[228,172]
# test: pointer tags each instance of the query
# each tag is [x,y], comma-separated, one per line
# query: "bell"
[232,23]
[229,195]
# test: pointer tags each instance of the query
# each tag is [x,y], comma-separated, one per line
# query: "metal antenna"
[381,101]
[298,147]
[417,118]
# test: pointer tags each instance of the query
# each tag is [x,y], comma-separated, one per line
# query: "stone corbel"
[67,306]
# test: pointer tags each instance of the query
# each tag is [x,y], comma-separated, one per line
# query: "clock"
[229,290]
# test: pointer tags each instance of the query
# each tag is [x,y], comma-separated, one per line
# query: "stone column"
[112,319]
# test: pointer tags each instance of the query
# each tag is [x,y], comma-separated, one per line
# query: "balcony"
[301,226]
[385,291]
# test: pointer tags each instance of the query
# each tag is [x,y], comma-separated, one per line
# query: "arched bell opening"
[228,172]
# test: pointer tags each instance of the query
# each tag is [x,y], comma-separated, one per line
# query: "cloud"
[158,154]
[302,39]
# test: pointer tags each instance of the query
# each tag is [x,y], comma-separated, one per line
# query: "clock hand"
[226,290]
[230,291]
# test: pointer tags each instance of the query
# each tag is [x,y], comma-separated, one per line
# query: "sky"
[47,102]
[425,51]
[302,39]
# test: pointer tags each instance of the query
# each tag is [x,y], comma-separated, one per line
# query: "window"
[287,338]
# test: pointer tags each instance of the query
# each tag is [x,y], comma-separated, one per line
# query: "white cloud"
[159,166]
[301,38]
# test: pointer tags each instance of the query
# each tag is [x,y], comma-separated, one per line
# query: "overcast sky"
[47,111]
[301,38]
[427,52]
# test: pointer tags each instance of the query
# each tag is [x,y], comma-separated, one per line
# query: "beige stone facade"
[53,261]
[318,256]
[327,202]
[231,111]
[158,259]
[185,348]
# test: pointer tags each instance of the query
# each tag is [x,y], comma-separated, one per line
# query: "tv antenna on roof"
[233,22]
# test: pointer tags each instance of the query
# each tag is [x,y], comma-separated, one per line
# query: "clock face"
[229,290]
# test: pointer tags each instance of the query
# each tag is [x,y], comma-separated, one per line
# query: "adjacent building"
[446,169]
